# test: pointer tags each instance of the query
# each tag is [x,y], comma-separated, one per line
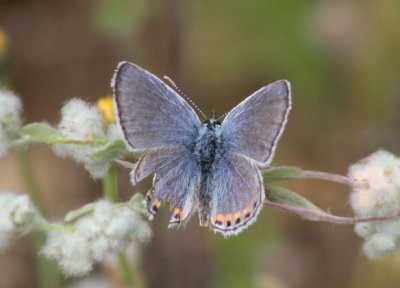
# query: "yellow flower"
[106,108]
[3,42]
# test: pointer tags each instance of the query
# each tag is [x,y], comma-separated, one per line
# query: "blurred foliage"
[3,43]
[5,60]
[118,18]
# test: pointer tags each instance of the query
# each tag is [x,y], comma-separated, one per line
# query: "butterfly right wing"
[151,114]
[253,128]
[237,194]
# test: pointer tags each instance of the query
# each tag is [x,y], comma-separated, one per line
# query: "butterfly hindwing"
[237,194]
[155,160]
[176,181]
[254,127]
[150,113]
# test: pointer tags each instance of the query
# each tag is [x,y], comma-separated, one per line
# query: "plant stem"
[307,174]
[27,175]
[322,216]
[110,185]
[126,270]
[42,224]
[47,271]
[110,191]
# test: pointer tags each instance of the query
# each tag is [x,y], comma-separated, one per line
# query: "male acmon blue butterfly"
[209,168]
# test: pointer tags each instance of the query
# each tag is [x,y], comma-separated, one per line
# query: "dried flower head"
[107,229]
[376,192]
[16,216]
[82,122]
[10,119]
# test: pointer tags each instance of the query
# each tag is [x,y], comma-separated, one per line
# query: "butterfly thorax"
[208,145]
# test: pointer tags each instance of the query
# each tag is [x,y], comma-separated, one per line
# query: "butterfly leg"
[152,204]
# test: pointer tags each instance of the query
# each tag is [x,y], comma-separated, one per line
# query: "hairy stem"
[110,191]
[325,217]
[110,185]
[307,174]
[125,269]
[47,271]
[29,180]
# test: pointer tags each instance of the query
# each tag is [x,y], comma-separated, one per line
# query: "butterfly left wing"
[237,194]
[151,114]
[253,128]
[176,180]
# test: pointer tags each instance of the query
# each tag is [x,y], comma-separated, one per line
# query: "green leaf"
[42,133]
[281,173]
[289,198]
[125,164]
[110,151]
[137,203]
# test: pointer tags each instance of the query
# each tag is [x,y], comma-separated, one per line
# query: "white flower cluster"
[10,119]
[376,192]
[107,229]
[83,122]
[16,216]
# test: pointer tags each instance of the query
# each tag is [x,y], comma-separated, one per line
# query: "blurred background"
[342,58]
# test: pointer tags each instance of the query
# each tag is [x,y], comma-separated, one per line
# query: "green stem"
[126,270]
[308,174]
[48,274]
[27,175]
[42,224]
[110,185]
[110,191]
[325,217]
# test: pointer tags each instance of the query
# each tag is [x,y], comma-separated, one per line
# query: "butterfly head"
[212,122]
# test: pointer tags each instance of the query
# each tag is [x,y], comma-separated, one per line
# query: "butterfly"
[211,168]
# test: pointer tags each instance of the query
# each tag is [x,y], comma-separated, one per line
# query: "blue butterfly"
[211,168]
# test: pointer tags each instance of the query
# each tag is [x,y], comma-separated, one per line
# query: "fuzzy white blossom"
[106,229]
[10,119]
[376,192]
[379,245]
[114,132]
[83,122]
[16,216]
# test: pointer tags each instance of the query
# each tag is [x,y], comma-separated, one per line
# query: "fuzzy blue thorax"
[208,144]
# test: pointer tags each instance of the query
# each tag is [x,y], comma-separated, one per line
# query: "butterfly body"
[210,168]
[208,147]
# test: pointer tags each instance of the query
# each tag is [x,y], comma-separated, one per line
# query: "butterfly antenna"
[184,96]
[222,116]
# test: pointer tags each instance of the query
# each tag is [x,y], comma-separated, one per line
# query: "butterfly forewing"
[151,114]
[254,127]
